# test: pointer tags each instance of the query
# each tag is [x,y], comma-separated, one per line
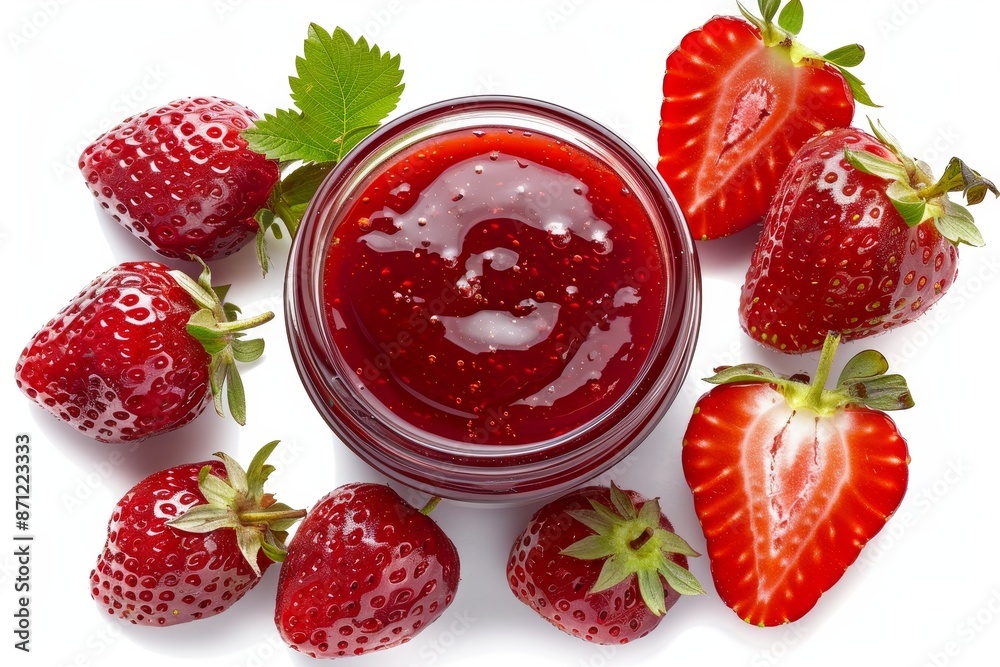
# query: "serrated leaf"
[866,364]
[343,90]
[791,17]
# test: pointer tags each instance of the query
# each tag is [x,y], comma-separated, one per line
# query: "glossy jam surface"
[494,286]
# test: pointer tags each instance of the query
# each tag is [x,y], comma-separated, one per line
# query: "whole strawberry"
[140,351]
[859,239]
[181,178]
[599,569]
[365,571]
[740,96]
[791,479]
[188,542]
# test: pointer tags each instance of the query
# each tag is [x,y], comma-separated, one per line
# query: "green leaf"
[874,165]
[893,145]
[236,476]
[768,9]
[613,572]
[204,519]
[673,543]
[885,392]
[622,502]
[850,55]
[235,395]
[857,87]
[216,491]
[866,364]
[343,90]
[591,547]
[957,226]
[751,18]
[651,591]
[591,519]
[791,17]
[742,373]
[256,476]
[680,579]
[907,202]
[248,350]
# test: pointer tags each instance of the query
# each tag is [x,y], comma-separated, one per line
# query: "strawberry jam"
[494,285]
[492,298]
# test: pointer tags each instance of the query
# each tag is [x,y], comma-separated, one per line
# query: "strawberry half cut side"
[739,99]
[791,480]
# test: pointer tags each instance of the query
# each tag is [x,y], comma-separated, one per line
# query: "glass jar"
[492,299]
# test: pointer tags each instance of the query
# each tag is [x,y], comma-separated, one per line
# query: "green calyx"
[631,542]
[863,382]
[783,35]
[918,197]
[216,327]
[239,503]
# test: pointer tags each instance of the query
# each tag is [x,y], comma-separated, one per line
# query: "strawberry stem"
[638,542]
[818,385]
[265,517]
[429,507]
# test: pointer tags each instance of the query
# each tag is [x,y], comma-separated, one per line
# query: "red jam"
[494,286]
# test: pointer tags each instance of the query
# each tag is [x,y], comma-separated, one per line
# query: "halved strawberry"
[790,480]
[739,99]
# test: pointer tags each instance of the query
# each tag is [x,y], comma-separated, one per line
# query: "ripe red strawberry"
[188,542]
[365,571]
[140,351]
[790,480]
[181,178]
[859,239]
[597,568]
[739,98]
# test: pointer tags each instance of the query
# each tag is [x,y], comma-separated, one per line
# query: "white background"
[926,591]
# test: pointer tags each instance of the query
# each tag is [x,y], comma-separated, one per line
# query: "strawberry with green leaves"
[365,571]
[791,479]
[188,542]
[860,239]
[740,96]
[142,350]
[602,564]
